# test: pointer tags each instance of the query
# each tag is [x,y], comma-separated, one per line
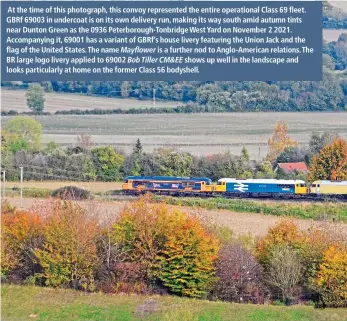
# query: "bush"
[332,277]
[72,193]
[239,276]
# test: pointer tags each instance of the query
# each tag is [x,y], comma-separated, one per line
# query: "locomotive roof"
[326,182]
[262,181]
[169,178]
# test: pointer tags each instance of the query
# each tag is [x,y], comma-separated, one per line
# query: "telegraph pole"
[4,180]
[21,186]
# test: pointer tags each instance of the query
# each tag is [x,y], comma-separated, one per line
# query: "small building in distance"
[290,168]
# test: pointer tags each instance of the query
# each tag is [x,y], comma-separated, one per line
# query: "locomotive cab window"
[285,186]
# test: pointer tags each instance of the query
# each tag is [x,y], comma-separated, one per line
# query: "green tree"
[265,170]
[51,146]
[138,149]
[172,162]
[35,98]
[25,132]
[107,163]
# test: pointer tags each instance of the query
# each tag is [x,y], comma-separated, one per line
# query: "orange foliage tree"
[69,255]
[173,248]
[331,163]
[332,277]
[279,141]
[21,234]
[285,232]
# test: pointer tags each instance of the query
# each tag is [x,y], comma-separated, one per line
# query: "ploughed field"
[16,100]
[199,134]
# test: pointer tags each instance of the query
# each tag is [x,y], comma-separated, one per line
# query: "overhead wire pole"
[21,186]
[4,180]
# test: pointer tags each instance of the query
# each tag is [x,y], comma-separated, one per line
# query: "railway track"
[277,198]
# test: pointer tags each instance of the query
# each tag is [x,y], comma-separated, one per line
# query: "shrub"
[332,277]
[239,276]
[68,257]
[71,193]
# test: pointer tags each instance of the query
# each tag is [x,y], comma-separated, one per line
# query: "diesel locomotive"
[232,187]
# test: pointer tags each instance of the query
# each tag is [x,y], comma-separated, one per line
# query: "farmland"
[15,100]
[240,223]
[332,34]
[199,134]
[94,187]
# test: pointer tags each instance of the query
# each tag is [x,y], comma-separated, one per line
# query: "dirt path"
[241,223]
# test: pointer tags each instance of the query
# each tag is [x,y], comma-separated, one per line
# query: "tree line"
[333,18]
[151,248]
[21,146]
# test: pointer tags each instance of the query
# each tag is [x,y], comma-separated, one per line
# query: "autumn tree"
[331,162]
[332,277]
[35,97]
[21,235]
[69,255]
[239,276]
[173,248]
[279,141]
[185,265]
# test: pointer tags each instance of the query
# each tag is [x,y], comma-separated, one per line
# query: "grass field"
[15,99]
[94,187]
[43,304]
[196,133]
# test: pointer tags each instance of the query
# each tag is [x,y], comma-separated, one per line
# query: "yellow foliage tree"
[331,163]
[279,141]
[69,254]
[332,277]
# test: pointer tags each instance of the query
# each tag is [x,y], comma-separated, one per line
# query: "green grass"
[21,303]
[318,211]
[30,192]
